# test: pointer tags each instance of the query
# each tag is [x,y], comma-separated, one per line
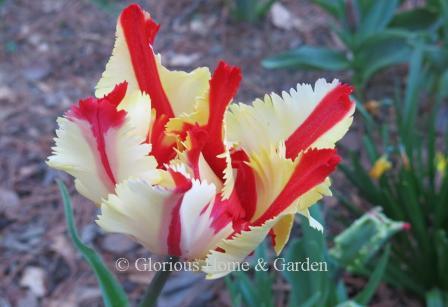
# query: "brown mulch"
[51,54]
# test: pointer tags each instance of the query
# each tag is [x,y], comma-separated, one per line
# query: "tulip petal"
[209,115]
[311,169]
[99,144]
[309,172]
[223,87]
[183,89]
[220,261]
[314,195]
[133,60]
[138,108]
[272,172]
[281,231]
[303,118]
[167,221]
[245,182]
[192,157]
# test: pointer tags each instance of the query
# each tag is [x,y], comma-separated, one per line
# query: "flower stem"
[156,286]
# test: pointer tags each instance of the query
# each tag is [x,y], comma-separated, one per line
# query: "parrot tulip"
[173,165]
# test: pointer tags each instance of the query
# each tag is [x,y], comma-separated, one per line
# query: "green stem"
[156,285]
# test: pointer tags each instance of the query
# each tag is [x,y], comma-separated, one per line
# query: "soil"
[52,53]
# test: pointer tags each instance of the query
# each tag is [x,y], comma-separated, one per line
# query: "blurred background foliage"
[401,167]
[356,247]
[252,11]
[374,34]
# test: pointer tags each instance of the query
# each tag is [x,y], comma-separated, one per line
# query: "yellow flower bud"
[380,167]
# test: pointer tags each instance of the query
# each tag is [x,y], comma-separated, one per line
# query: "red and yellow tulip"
[173,166]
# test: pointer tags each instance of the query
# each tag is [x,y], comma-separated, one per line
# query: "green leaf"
[264,7]
[360,178]
[251,10]
[370,148]
[397,277]
[311,302]
[369,290]
[341,292]
[113,293]
[443,85]
[255,291]
[349,304]
[367,118]
[434,298]
[375,17]
[308,57]
[380,51]
[335,8]
[411,100]
[418,19]
[234,291]
[305,284]
[441,243]
[355,246]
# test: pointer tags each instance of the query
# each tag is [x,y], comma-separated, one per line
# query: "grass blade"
[369,290]
[113,293]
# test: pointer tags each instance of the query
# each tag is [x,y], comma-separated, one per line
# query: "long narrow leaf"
[376,16]
[434,298]
[309,57]
[369,290]
[113,293]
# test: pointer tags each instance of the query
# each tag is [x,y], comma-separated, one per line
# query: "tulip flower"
[173,165]
[441,163]
[380,166]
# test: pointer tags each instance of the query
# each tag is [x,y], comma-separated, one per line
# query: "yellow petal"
[441,163]
[282,230]
[76,153]
[138,108]
[272,120]
[314,195]
[232,251]
[184,88]
[144,211]
[181,87]
[118,69]
[272,171]
[381,166]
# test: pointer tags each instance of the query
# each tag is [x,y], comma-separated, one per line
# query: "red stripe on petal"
[225,211]
[162,144]
[140,31]
[223,87]
[174,231]
[330,110]
[314,166]
[181,182]
[102,115]
[182,185]
[245,186]
[116,96]
[151,30]
[198,137]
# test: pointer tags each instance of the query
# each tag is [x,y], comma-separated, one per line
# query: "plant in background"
[415,186]
[109,6]
[373,34]
[251,10]
[354,248]
[170,166]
